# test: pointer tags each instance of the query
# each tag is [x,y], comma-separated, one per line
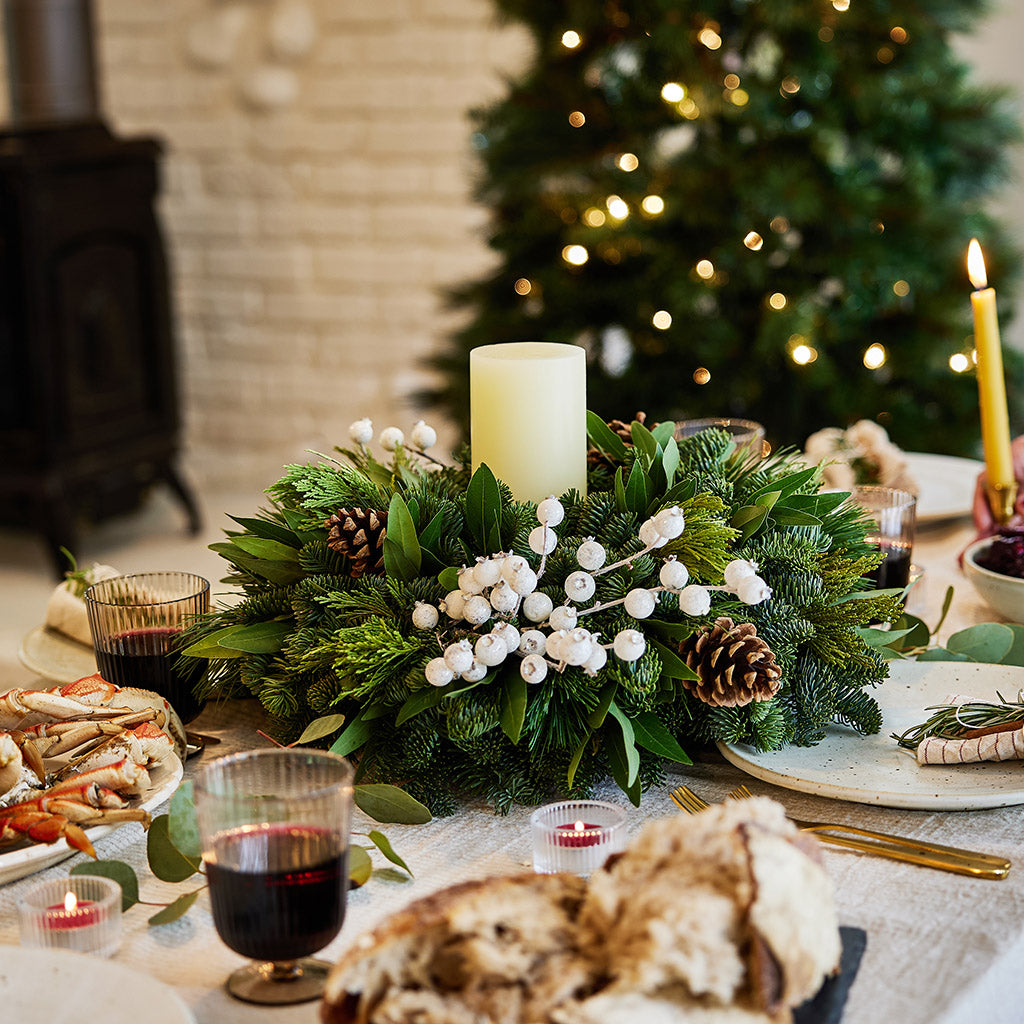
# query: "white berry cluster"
[421,437]
[505,585]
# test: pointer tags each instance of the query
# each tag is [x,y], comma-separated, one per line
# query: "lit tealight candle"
[82,912]
[995,421]
[576,836]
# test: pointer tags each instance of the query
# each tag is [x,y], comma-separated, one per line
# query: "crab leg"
[44,828]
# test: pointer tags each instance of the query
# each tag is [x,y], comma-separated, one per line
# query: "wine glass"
[274,826]
[136,623]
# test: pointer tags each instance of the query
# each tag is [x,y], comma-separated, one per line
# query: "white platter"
[945,485]
[63,987]
[18,863]
[54,656]
[876,770]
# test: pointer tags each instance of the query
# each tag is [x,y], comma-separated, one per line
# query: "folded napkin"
[66,612]
[1003,743]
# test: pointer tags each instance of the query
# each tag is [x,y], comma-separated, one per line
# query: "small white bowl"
[1004,594]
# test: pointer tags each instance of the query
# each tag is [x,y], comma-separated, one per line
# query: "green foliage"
[861,160]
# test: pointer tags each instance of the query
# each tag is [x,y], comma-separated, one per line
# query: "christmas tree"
[742,208]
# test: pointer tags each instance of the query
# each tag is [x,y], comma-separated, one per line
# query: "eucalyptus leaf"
[321,727]
[279,572]
[941,654]
[360,867]
[671,664]
[513,705]
[449,579]
[628,743]
[431,534]
[428,697]
[123,874]
[270,530]
[644,443]
[783,516]
[483,508]
[271,550]
[174,910]
[301,527]
[209,646]
[381,842]
[989,642]
[258,638]
[669,630]
[166,861]
[604,699]
[618,761]
[402,555]
[651,733]
[916,631]
[663,433]
[619,486]
[637,490]
[575,762]
[355,735]
[390,805]
[670,460]
[182,825]
[604,438]
[1015,655]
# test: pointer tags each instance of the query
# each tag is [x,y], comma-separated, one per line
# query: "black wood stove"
[88,396]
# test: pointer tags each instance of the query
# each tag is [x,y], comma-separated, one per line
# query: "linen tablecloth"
[941,947]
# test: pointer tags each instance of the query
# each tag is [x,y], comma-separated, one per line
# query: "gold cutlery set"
[879,844]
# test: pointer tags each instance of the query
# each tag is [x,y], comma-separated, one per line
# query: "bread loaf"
[722,918]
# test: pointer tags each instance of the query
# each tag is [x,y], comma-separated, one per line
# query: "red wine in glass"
[278,891]
[149,659]
[895,568]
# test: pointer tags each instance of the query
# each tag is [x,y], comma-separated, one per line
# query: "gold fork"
[881,844]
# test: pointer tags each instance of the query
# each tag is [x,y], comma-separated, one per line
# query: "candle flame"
[976,265]
[70,901]
[579,826]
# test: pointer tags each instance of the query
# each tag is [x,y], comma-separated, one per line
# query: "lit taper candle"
[528,416]
[995,421]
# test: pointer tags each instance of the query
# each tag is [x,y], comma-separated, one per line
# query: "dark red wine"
[895,569]
[147,658]
[278,891]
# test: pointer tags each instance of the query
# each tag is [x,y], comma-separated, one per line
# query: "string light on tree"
[577,119]
[571,39]
[901,288]
[777,300]
[959,363]
[523,286]
[701,375]
[875,356]
[662,320]
[617,207]
[898,34]
[709,36]
[628,162]
[779,224]
[593,217]
[705,269]
[731,81]
[753,241]
[803,355]
[790,85]
[653,205]
[575,255]
[673,92]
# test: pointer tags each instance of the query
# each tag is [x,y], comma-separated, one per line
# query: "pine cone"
[734,664]
[620,427]
[359,534]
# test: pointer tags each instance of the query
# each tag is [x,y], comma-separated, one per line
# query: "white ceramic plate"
[945,485]
[18,863]
[54,656]
[63,987]
[876,770]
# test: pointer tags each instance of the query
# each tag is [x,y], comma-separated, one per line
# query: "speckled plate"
[54,656]
[876,770]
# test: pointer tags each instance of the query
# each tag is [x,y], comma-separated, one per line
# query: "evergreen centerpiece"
[725,202]
[513,651]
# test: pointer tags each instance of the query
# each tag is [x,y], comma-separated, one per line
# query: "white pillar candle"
[528,416]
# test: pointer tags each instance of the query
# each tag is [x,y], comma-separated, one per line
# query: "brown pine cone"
[359,534]
[734,664]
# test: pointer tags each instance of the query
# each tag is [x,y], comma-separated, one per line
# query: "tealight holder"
[576,836]
[79,912]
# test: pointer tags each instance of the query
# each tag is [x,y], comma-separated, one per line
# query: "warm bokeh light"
[790,85]
[577,119]
[673,92]
[701,375]
[628,162]
[523,286]
[576,255]
[739,97]
[885,54]
[705,269]
[662,319]
[730,81]
[689,109]
[803,354]
[976,265]
[617,207]
[841,5]
[653,205]
[779,225]
[710,38]
[777,300]
[878,227]
[958,362]
[875,356]
[898,34]
[753,241]
[593,217]
[571,39]
[825,34]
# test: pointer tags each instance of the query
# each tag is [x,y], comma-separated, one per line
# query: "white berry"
[438,673]
[753,590]
[737,570]
[591,555]
[487,572]
[649,536]
[579,586]
[670,522]
[459,656]
[537,606]
[553,644]
[468,583]
[454,604]
[577,646]
[361,431]
[694,600]
[503,598]
[523,581]
[475,672]
[513,564]
[597,660]
[563,617]
[477,611]
[533,641]
[508,634]
[422,435]
[424,616]
[533,668]
[550,512]
[674,574]
[640,603]
[543,540]
[391,438]
[490,650]
[629,644]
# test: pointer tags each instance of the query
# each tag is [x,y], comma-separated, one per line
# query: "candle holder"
[80,912]
[1002,500]
[576,836]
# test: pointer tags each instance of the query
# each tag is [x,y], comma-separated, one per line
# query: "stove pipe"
[51,63]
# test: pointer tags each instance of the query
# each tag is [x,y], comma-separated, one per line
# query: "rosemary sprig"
[951,721]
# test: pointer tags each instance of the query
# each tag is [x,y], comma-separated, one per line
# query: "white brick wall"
[309,247]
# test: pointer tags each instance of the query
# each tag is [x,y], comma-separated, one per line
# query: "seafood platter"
[77,761]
